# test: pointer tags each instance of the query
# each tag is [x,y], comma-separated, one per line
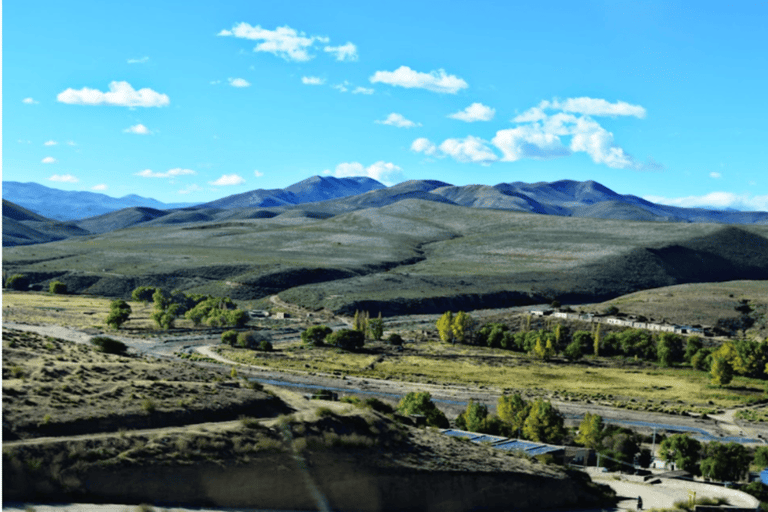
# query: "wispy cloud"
[398,120]
[171,173]
[312,80]
[120,94]
[142,60]
[424,145]
[716,200]
[138,129]
[258,174]
[99,187]
[283,42]
[48,160]
[715,175]
[227,180]
[347,52]
[362,90]
[30,101]
[239,82]
[342,87]
[385,172]
[64,178]
[435,81]
[71,143]
[474,112]
[190,188]
[50,143]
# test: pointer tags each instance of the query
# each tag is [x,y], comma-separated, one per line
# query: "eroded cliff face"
[281,481]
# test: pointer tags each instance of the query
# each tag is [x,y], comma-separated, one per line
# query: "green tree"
[590,431]
[761,456]
[376,326]
[573,351]
[721,371]
[753,356]
[473,418]
[316,335]
[229,337]
[445,327]
[421,403]
[692,345]
[669,349]
[165,318]
[701,360]
[684,451]
[119,312]
[18,282]
[596,342]
[57,287]
[395,339]
[346,339]
[462,327]
[725,462]
[638,342]
[513,411]
[544,423]
[143,293]
[620,444]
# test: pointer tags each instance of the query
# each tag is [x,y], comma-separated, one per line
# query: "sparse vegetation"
[109,345]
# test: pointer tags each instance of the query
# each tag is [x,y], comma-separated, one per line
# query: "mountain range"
[33,213]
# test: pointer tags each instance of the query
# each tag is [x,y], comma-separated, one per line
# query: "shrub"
[346,339]
[148,406]
[119,312]
[246,339]
[395,339]
[143,293]
[265,346]
[421,403]
[316,335]
[109,345]
[17,282]
[229,337]
[57,287]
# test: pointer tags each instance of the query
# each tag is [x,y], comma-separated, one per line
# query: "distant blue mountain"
[67,205]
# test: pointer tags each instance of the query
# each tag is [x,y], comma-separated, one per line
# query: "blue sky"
[191,101]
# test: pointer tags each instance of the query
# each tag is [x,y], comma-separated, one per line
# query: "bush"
[143,293]
[265,346]
[109,345]
[57,287]
[421,403]
[246,339]
[395,339]
[17,282]
[346,339]
[229,337]
[119,312]
[316,335]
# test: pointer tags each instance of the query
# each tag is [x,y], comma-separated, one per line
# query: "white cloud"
[395,119]
[258,174]
[423,145]
[530,116]
[470,149]
[347,52]
[190,188]
[595,107]
[66,178]
[50,143]
[228,179]
[171,173]
[22,141]
[528,142]
[385,172]
[474,112]
[100,186]
[120,94]
[283,42]
[142,60]
[717,200]
[312,80]
[30,101]
[48,160]
[215,82]
[715,175]
[435,81]
[362,90]
[239,82]
[342,87]
[138,129]
[71,143]
[597,142]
